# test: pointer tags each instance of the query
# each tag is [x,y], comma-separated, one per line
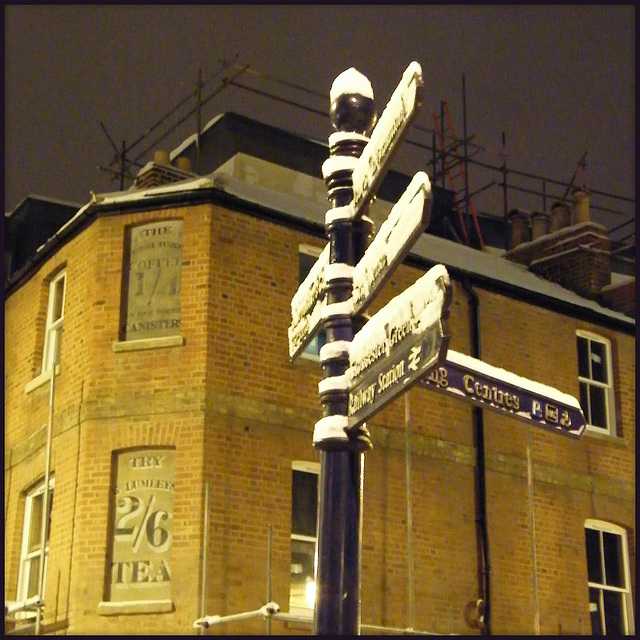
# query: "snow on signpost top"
[351,81]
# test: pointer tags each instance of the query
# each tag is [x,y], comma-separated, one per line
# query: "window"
[31,552]
[308,256]
[53,326]
[610,605]
[304,538]
[153,281]
[596,382]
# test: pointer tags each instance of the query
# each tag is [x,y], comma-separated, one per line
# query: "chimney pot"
[580,212]
[560,216]
[539,224]
[161,157]
[519,227]
[184,164]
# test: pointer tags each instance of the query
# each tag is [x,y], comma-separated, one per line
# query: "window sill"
[135,606]
[40,380]
[602,435]
[149,343]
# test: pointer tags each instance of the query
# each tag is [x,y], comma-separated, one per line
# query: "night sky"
[556,80]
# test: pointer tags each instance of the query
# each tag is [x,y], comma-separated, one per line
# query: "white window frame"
[627,609]
[53,326]
[28,557]
[312,350]
[306,467]
[608,388]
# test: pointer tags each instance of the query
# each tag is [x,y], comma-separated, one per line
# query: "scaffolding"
[452,158]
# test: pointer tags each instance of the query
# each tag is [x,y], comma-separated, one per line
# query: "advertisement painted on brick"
[155,273]
[142,525]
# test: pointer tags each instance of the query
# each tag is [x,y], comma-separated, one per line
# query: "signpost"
[467,378]
[307,305]
[369,364]
[407,220]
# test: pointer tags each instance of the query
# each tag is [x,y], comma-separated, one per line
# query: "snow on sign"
[386,136]
[408,218]
[307,304]
[489,387]
[399,345]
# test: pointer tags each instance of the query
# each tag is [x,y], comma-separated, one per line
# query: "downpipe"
[484,605]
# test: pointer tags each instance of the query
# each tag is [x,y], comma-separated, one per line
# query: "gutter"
[204,190]
[624,324]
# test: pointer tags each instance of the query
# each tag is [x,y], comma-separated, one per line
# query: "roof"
[480,267]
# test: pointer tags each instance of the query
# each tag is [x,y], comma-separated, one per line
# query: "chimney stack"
[161,171]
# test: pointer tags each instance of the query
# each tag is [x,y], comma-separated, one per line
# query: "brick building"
[177,434]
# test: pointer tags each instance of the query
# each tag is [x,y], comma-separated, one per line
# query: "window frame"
[28,557]
[304,466]
[608,387]
[601,527]
[53,327]
[312,350]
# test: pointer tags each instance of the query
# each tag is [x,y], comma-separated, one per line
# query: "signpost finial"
[352,105]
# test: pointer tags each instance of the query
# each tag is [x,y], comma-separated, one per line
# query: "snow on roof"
[290,204]
[115,197]
[182,186]
[193,138]
[498,269]
[428,247]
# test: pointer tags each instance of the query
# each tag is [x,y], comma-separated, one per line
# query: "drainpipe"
[44,533]
[478,419]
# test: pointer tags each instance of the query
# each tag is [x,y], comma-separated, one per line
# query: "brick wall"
[238,412]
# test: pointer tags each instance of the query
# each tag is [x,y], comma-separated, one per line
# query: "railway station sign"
[399,345]
[466,378]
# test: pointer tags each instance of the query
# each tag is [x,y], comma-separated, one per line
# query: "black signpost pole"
[337,607]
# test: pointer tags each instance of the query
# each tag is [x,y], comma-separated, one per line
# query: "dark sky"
[557,80]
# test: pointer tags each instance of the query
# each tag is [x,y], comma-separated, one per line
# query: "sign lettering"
[491,388]
[407,220]
[143,525]
[386,136]
[155,274]
[398,345]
